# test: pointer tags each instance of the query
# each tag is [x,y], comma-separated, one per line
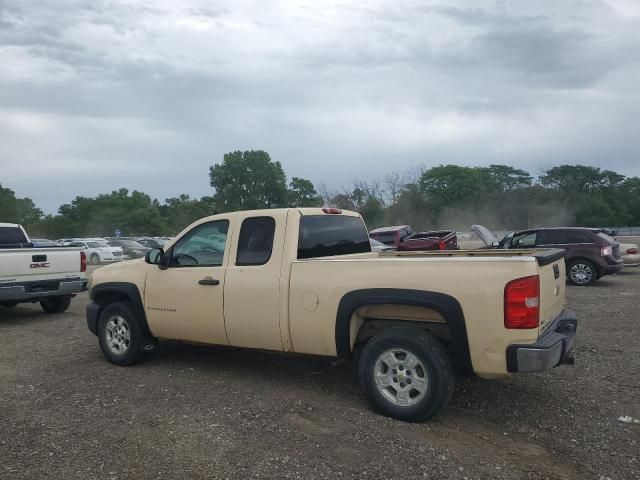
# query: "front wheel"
[406,374]
[582,272]
[121,339]
[55,304]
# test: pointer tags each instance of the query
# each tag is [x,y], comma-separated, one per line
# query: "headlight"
[606,251]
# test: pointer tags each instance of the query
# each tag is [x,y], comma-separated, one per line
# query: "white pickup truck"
[51,276]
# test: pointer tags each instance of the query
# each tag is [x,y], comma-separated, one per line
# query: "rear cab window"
[12,235]
[330,235]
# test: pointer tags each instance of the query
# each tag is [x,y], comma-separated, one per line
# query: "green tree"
[17,210]
[248,180]
[179,212]
[448,184]
[302,193]
[134,214]
[576,179]
[503,178]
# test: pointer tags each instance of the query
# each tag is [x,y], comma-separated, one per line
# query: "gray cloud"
[148,94]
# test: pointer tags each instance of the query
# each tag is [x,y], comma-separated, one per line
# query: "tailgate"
[30,264]
[552,287]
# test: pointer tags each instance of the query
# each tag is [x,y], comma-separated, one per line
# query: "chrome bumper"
[552,349]
[34,290]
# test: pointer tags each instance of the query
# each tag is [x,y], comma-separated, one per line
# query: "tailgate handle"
[209,281]
[38,258]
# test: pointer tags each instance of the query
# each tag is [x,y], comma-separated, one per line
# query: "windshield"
[506,241]
[98,244]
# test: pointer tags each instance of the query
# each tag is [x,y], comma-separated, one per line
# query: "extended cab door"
[252,287]
[185,301]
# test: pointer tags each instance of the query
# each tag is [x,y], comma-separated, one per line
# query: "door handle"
[209,281]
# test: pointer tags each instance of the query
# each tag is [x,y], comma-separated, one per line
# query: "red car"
[433,240]
[402,238]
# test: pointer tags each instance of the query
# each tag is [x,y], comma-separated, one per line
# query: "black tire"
[430,352]
[134,349]
[56,304]
[95,259]
[582,272]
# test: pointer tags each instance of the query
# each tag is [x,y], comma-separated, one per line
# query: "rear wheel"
[56,304]
[582,272]
[121,339]
[95,259]
[406,374]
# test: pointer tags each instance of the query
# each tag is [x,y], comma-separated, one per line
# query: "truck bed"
[542,256]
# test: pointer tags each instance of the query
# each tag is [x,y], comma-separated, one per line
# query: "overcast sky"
[97,95]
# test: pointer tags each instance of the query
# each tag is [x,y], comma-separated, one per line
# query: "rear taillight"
[606,251]
[632,251]
[333,211]
[522,303]
[83,262]
[442,246]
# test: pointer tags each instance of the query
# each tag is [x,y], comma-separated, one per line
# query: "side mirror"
[153,256]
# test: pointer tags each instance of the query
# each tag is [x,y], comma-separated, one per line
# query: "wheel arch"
[107,293]
[577,258]
[445,305]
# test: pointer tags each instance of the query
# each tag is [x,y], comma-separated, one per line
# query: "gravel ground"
[211,412]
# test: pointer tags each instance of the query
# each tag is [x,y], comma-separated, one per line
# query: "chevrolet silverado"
[305,281]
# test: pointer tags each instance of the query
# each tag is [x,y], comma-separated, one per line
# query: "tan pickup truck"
[306,281]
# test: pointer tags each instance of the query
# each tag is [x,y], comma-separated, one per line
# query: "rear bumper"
[611,265]
[31,291]
[552,349]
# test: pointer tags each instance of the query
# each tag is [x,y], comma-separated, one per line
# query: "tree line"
[445,196]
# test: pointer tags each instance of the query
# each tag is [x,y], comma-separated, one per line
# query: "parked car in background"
[49,275]
[130,248]
[403,238]
[391,236]
[377,246]
[152,242]
[591,253]
[433,240]
[630,254]
[43,243]
[65,242]
[98,251]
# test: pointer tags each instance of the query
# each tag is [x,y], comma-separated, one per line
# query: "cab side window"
[256,241]
[551,237]
[201,247]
